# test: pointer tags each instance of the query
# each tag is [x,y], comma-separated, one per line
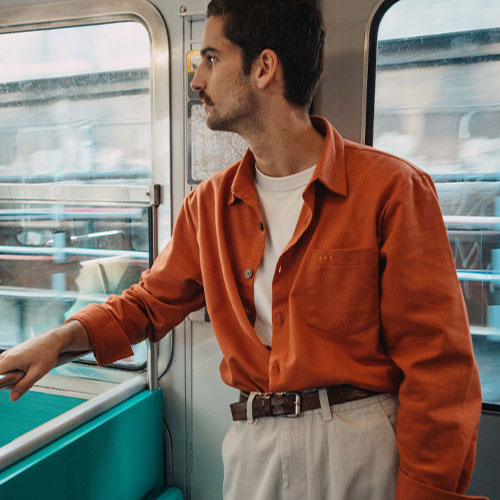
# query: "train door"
[85,196]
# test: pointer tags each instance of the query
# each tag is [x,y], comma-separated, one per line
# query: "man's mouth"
[205,99]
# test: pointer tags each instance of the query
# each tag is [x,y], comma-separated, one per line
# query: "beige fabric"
[351,456]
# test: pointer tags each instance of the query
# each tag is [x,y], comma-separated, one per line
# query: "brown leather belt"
[294,403]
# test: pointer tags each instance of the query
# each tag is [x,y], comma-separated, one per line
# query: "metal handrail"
[474,220]
[128,195]
[9,379]
[40,436]
[86,252]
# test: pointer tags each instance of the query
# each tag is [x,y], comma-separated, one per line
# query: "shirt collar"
[330,169]
[243,183]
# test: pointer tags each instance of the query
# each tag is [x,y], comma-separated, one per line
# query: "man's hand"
[38,355]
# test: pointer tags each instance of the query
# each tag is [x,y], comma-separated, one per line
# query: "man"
[327,273]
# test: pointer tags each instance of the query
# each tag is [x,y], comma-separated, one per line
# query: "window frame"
[371,39]
[378,13]
[74,13]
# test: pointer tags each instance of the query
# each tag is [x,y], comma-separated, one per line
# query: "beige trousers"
[340,452]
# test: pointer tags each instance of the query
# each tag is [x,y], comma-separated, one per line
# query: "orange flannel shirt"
[365,293]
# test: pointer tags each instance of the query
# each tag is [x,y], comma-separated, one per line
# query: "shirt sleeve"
[165,295]
[426,333]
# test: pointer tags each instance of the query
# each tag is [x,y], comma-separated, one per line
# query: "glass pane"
[75,104]
[56,259]
[437,103]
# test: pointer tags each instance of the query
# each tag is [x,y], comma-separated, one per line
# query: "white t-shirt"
[280,204]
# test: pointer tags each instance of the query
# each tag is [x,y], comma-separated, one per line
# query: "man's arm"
[166,293]
[164,296]
[38,355]
[426,333]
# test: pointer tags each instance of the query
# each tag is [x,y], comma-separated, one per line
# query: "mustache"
[204,97]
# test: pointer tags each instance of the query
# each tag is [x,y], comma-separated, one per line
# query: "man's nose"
[197,82]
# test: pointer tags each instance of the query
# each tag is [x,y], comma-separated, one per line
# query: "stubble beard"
[240,118]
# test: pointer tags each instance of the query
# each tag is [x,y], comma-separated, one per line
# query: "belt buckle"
[296,403]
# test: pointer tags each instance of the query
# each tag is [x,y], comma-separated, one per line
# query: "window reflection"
[56,259]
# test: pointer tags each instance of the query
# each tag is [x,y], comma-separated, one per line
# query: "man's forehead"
[214,37]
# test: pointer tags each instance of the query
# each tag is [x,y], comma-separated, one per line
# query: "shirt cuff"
[108,340]
[411,489]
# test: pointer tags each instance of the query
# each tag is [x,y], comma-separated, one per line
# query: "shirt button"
[248,273]
[261,226]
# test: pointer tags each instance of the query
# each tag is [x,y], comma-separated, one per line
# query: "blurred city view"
[75,104]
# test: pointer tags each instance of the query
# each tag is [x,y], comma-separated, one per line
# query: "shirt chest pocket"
[343,290]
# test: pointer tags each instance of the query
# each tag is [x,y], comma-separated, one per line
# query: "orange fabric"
[367,294]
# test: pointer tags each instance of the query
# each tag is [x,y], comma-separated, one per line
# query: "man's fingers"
[11,361]
[35,357]
[5,365]
[25,384]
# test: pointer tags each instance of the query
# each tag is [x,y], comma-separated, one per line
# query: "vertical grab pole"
[152,364]
[152,348]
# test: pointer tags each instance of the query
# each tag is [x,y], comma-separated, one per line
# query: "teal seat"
[171,494]
[118,454]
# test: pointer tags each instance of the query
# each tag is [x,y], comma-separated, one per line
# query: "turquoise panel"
[118,455]
[171,494]
[32,410]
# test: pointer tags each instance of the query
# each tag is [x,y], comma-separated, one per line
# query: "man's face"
[228,97]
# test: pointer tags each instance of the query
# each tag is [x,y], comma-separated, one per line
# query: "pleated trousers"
[340,452]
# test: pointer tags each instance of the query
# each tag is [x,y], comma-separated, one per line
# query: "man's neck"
[286,145]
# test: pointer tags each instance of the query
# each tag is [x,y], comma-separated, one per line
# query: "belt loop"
[326,412]
[250,399]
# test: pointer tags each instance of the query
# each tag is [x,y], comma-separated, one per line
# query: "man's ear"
[266,68]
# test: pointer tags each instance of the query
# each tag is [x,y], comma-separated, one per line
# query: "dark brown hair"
[292,28]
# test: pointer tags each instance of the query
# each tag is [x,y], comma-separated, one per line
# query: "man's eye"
[211,60]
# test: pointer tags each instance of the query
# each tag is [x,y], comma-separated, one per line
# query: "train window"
[76,166]
[55,259]
[75,104]
[436,102]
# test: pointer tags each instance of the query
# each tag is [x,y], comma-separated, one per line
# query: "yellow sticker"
[193,60]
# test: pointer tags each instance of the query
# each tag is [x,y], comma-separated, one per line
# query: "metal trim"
[153,349]
[152,365]
[493,408]
[76,12]
[473,220]
[28,443]
[154,195]
[88,194]
[369,68]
